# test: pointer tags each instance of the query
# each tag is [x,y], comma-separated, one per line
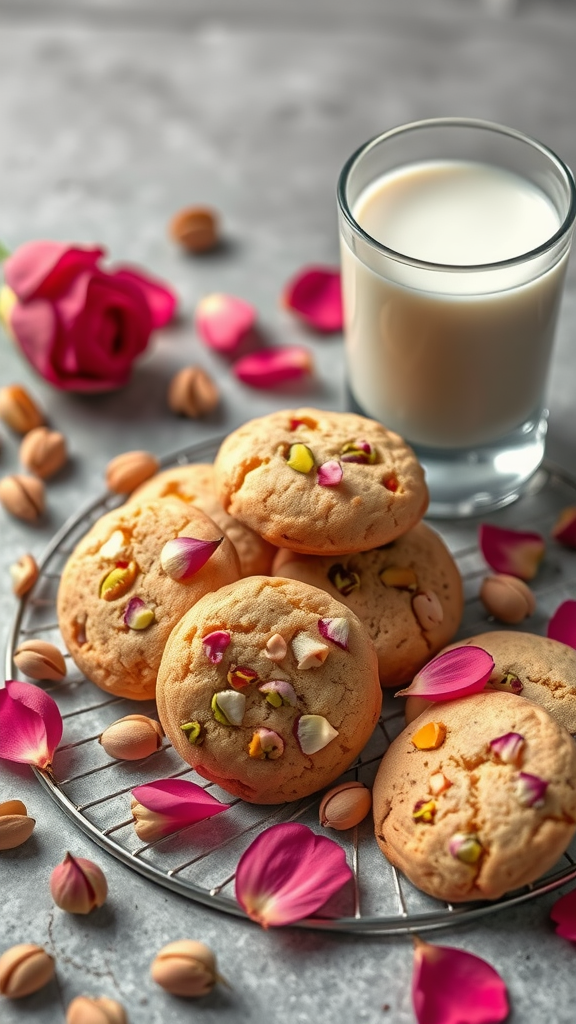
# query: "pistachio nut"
[195,228]
[39,659]
[193,393]
[18,409]
[185,968]
[43,451]
[95,1010]
[132,738]
[507,598]
[127,471]
[22,496]
[345,806]
[428,609]
[24,574]
[24,969]
[15,825]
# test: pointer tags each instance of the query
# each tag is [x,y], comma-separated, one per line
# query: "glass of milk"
[455,235]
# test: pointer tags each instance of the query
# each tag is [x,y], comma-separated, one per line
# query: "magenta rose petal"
[562,625]
[223,321]
[315,295]
[176,803]
[215,644]
[329,474]
[30,724]
[43,269]
[512,552]
[271,367]
[563,914]
[455,673]
[160,297]
[184,556]
[288,873]
[564,529]
[450,986]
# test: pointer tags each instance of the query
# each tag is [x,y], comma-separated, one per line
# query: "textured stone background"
[113,114]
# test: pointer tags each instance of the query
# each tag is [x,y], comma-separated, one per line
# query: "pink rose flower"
[80,326]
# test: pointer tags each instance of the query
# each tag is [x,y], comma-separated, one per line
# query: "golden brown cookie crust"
[118,659]
[536,667]
[373,504]
[519,843]
[344,689]
[403,642]
[194,483]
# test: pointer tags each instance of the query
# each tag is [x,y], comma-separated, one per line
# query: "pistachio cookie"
[533,666]
[269,688]
[129,581]
[408,594]
[477,797]
[194,483]
[320,482]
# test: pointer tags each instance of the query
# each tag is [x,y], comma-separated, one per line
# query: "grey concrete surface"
[112,116]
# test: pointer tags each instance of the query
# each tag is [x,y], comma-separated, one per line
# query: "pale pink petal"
[335,630]
[223,321]
[160,297]
[315,295]
[563,914]
[330,474]
[450,986]
[513,552]
[288,873]
[562,625]
[270,367]
[453,674]
[179,801]
[184,556]
[30,724]
[564,528]
[531,790]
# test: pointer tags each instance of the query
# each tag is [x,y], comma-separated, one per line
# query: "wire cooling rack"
[199,861]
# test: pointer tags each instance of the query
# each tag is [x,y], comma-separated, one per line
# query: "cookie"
[194,483]
[269,688]
[408,594]
[320,482]
[484,812]
[117,605]
[538,668]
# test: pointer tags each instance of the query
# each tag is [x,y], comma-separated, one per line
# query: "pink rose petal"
[336,630]
[562,625]
[513,552]
[215,644]
[330,474]
[270,367]
[184,556]
[315,295]
[450,986]
[160,298]
[30,724]
[564,530]
[453,674]
[563,914]
[288,873]
[177,803]
[223,321]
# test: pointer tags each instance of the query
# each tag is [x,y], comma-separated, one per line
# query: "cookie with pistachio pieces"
[320,482]
[269,688]
[477,796]
[129,581]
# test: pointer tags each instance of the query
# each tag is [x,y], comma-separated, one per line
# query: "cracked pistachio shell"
[15,825]
[507,598]
[23,496]
[24,969]
[185,968]
[43,451]
[345,806]
[132,737]
[39,659]
[127,471]
[19,410]
[24,574]
[95,1010]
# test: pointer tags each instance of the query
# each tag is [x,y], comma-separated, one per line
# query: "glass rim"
[455,122]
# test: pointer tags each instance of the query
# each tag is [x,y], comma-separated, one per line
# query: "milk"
[450,357]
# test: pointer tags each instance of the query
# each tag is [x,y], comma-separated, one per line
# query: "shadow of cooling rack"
[199,861]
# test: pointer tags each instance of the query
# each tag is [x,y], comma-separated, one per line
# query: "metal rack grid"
[199,861]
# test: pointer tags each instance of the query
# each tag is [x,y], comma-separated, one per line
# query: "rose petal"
[43,269]
[223,321]
[183,556]
[330,474]
[335,630]
[31,724]
[514,552]
[562,625]
[160,298]
[178,801]
[531,790]
[450,986]
[452,674]
[270,367]
[564,529]
[215,644]
[315,295]
[563,914]
[288,873]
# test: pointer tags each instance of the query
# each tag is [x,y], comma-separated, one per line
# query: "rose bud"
[185,968]
[15,825]
[78,885]
[345,806]
[132,737]
[507,598]
[24,969]
[95,1010]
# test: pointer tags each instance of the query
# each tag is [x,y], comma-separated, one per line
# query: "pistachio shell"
[127,471]
[24,574]
[507,598]
[15,825]
[38,659]
[24,969]
[43,451]
[345,806]
[23,496]
[132,737]
[428,609]
[95,1010]
[185,968]
[18,409]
